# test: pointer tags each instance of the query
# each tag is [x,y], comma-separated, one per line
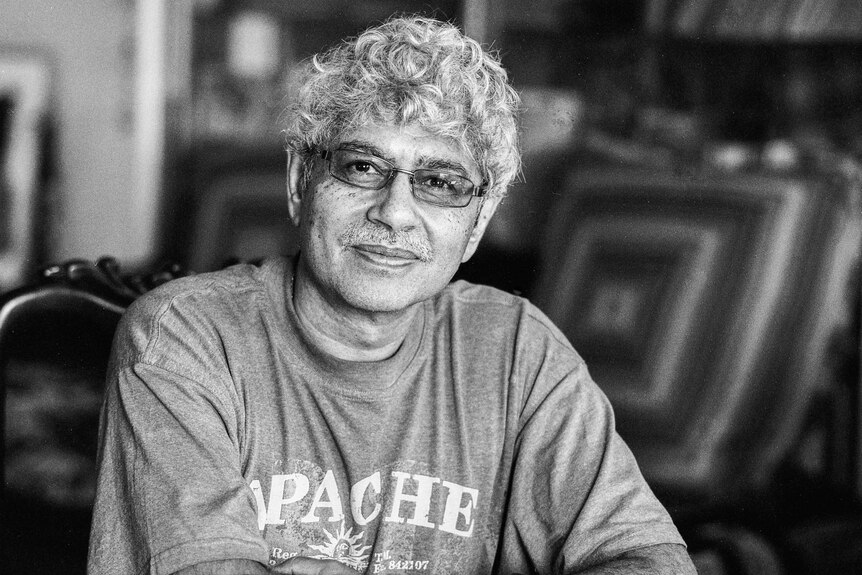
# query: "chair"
[706,306]
[55,338]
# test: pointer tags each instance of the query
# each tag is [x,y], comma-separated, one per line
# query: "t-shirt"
[482,445]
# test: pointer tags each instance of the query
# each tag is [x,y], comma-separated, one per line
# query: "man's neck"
[345,332]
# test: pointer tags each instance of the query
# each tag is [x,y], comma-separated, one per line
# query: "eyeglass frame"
[478,191]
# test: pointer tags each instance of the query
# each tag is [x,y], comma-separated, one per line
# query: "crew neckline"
[356,378]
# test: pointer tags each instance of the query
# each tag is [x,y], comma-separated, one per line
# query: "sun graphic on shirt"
[345,547]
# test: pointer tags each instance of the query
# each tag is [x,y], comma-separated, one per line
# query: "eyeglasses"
[370,172]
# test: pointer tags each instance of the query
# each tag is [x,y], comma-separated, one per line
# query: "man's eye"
[362,167]
[440,182]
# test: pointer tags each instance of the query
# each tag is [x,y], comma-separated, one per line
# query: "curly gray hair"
[411,70]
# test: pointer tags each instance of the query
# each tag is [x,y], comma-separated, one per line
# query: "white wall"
[90,46]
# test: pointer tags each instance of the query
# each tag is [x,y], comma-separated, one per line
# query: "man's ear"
[489,206]
[295,185]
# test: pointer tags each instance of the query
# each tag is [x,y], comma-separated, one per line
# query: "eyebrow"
[367,147]
[428,163]
[441,164]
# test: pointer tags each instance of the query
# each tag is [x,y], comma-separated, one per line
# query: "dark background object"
[55,339]
[708,307]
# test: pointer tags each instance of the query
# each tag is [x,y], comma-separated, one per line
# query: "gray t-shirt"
[482,445]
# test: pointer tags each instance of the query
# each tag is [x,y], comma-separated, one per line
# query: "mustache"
[368,233]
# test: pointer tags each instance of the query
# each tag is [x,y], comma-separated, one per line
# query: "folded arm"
[293,566]
[664,559]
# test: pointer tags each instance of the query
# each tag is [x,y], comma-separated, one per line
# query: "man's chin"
[385,296]
[381,303]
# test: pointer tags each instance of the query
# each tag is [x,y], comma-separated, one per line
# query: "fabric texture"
[481,446]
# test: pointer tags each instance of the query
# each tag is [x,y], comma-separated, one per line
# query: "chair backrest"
[704,306]
[54,346]
[55,340]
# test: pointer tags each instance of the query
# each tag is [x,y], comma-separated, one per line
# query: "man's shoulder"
[190,320]
[204,306]
[494,327]
[207,290]
[486,306]
[468,295]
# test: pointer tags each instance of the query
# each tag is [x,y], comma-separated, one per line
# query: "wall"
[89,45]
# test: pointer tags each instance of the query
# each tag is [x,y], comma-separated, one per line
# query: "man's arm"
[577,496]
[664,559]
[293,566]
[225,567]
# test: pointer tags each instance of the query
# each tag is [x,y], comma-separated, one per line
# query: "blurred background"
[689,215]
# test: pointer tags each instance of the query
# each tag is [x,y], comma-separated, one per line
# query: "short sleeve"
[577,495]
[170,491]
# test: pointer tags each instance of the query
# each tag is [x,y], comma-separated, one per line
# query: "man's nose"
[394,205]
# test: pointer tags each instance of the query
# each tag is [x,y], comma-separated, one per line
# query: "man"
[349,410]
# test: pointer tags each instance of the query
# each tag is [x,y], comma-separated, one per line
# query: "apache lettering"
[407,498]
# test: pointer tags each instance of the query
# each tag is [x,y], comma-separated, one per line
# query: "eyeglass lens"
[370,172]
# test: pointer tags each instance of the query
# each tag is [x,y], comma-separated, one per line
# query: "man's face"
[384,250]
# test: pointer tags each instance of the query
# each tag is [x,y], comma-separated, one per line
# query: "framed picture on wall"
[24,96]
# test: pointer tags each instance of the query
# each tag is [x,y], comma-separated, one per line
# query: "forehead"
[408,146]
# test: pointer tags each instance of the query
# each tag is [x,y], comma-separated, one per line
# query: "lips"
[390,247]
[386,251]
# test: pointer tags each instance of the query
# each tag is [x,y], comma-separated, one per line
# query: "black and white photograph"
[431,287]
